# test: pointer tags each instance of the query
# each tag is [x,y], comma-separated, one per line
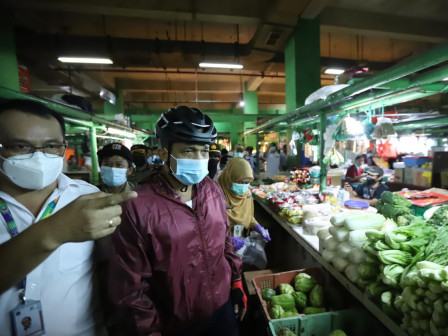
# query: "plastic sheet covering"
[323,93]
[348,128]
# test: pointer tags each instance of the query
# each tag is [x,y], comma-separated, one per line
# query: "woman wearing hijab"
[234,181]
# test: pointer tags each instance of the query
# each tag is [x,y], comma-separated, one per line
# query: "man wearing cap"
[140,155]
[213,161]
[116,166]
[371,190]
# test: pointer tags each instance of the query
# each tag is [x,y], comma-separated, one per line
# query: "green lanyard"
[14,231]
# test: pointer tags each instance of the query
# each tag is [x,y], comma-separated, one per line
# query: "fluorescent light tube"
[220,65]
[331,71]
[120,132]
[88,60]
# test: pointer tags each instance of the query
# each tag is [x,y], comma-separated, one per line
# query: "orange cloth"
[243,205]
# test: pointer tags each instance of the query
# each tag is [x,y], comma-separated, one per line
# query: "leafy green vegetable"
[368,270]
[286,301]
[285,288]
[300,300]
[304,282]
[276,311]
[436,251]
[267,293]
[440,217]
[394,257]
[317,297]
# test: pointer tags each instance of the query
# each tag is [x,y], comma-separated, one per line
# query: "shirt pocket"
[75,256]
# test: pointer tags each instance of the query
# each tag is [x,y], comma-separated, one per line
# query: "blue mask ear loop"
[185,187]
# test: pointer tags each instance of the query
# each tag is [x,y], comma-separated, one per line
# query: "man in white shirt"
[47,227]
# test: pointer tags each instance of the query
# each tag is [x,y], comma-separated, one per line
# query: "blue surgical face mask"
[149,160]
[239,155]
[190,171]
[240,188]
[113,177]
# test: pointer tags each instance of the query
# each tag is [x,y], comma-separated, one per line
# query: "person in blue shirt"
[371,190]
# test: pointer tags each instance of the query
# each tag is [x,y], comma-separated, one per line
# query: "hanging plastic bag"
[348,128]
[254,253]
[383,129]
[308,134]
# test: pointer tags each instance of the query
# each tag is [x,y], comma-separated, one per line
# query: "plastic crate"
[274,280]
[411,161]
[353,322]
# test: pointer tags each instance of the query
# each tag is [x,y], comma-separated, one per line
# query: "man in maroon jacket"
[174,270]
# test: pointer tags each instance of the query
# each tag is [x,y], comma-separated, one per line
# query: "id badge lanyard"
[13,231]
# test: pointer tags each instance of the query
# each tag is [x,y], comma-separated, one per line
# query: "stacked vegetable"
[440,217]
[424,300]
[343,241]
[306,297]
[396,207]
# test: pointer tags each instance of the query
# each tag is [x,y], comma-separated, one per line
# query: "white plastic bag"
[383,129]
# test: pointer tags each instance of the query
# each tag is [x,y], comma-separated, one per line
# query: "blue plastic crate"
[413,161]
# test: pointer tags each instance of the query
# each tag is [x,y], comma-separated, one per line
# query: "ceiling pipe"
[332,103]
[66,111]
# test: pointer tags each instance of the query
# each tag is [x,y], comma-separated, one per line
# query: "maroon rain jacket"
[171,265]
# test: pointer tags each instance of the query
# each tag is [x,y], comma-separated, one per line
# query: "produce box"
[354,322]
[274,280]
[399,175]
[249,276]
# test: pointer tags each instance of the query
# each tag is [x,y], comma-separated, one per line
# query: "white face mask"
[113,177]
[37,172]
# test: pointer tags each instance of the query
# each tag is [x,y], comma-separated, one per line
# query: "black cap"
[114,149]
[139,147]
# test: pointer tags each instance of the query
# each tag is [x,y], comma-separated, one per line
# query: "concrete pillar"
[9,74]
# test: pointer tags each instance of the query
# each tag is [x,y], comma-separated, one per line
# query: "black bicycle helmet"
[185,124]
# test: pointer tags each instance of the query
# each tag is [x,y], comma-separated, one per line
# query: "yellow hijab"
[243,205]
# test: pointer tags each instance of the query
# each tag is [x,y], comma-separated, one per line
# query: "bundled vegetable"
[392,205]
[267,293]
[440,217]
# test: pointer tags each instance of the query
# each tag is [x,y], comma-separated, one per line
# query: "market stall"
[386,257]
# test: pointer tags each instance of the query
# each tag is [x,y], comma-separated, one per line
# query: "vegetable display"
[440,217]
[307,298]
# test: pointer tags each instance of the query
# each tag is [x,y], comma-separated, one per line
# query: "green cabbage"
[300,300]
[285,288]
[317,297]
[304,282]
[276,311]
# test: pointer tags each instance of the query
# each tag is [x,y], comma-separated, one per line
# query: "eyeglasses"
[50,150]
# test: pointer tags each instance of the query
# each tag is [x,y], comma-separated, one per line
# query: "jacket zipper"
[201,238]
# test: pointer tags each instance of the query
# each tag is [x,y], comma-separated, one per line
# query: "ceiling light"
[120,132]
[220,65]
[445,79]
[332,71]
[241,103]
[88,60]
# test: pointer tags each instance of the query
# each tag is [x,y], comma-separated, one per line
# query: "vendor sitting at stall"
[234,181]
[355,172]
[371,190]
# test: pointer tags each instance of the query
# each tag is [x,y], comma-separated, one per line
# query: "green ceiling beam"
[422,123]
[333,103]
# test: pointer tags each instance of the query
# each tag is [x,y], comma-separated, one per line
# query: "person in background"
[239,152]
[283,158]
[72,164]
[371,190]
[47,225]
[234,181]
[140,155]
[174,270]
[213,161]
[272,160]
[116,166]
[157,160]
[225,157]
[355,171]
[250,158]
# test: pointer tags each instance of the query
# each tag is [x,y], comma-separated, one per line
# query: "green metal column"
[9,74]
[302,63]
[233,137]
[250,107]
[323,167]
[93,150]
